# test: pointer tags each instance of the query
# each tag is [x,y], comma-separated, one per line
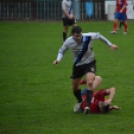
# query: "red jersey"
[97,97]
[120,4]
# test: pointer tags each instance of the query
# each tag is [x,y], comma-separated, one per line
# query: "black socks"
[89,95]
[77,94]
[64,36]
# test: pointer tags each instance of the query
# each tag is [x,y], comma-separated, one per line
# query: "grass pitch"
[36,97]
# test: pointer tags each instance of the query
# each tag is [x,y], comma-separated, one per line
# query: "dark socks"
[121,23]
[77,94]
[89,94]
[64,36]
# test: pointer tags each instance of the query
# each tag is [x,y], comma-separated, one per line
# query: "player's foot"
[124,33]
[86,110]
[77,107]
[113,32]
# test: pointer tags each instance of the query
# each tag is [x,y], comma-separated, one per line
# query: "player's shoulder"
[91,34]
[70,40]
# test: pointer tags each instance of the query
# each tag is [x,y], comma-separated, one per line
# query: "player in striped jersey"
[67,16]
[81,45]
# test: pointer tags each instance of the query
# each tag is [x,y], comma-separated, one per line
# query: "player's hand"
[70,17]
[108,101]
[116,107]
[113,47]
[56,62]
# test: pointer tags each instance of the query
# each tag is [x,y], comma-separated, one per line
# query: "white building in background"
[110,9]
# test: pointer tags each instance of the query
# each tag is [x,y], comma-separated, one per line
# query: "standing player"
[84,61]
[120,14]
[67,16]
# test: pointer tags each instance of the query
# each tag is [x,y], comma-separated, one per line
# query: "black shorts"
[68,22]
[80,71]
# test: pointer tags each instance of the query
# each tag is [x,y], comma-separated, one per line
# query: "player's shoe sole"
[113,32]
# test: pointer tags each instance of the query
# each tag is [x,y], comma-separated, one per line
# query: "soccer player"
[81,45]
[67,16]
[99,104]
[120,14]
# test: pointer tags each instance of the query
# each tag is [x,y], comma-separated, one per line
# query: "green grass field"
[36,97]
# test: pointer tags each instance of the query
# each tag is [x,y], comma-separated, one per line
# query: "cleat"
[125,32]
[77,107]
[113,32]
[86,110]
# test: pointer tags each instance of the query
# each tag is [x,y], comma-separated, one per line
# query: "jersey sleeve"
[63,5]
[62,50]
[100,37]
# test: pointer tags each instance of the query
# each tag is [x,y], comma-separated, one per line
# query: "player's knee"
[98,78]
[90,83]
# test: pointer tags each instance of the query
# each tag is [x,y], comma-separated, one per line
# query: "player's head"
[104,107]
[77,33]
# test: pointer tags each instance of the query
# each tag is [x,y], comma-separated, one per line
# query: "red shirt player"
[99,103]
[120,14]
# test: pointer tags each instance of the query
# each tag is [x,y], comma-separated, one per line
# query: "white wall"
[111,4]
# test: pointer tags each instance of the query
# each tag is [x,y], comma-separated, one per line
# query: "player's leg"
[120,24]
[77,74]
[77,93]
[65,28]
[90,70]
[115,25]
[125,27]
[97,82]
[124,18]
[89,79]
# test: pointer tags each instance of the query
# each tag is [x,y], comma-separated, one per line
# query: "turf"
[36,96]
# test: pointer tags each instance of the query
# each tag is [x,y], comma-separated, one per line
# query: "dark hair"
[76,29]
[104,108]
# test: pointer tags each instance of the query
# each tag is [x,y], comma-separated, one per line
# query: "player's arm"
[122,9]
[61,52]
[67,14]
[111,93]
[124,6]
[114,107]
[64,10]
[106,41]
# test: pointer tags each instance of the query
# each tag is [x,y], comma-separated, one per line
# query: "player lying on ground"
[99,104]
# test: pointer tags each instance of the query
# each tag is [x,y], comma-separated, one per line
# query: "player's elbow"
[113,89]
